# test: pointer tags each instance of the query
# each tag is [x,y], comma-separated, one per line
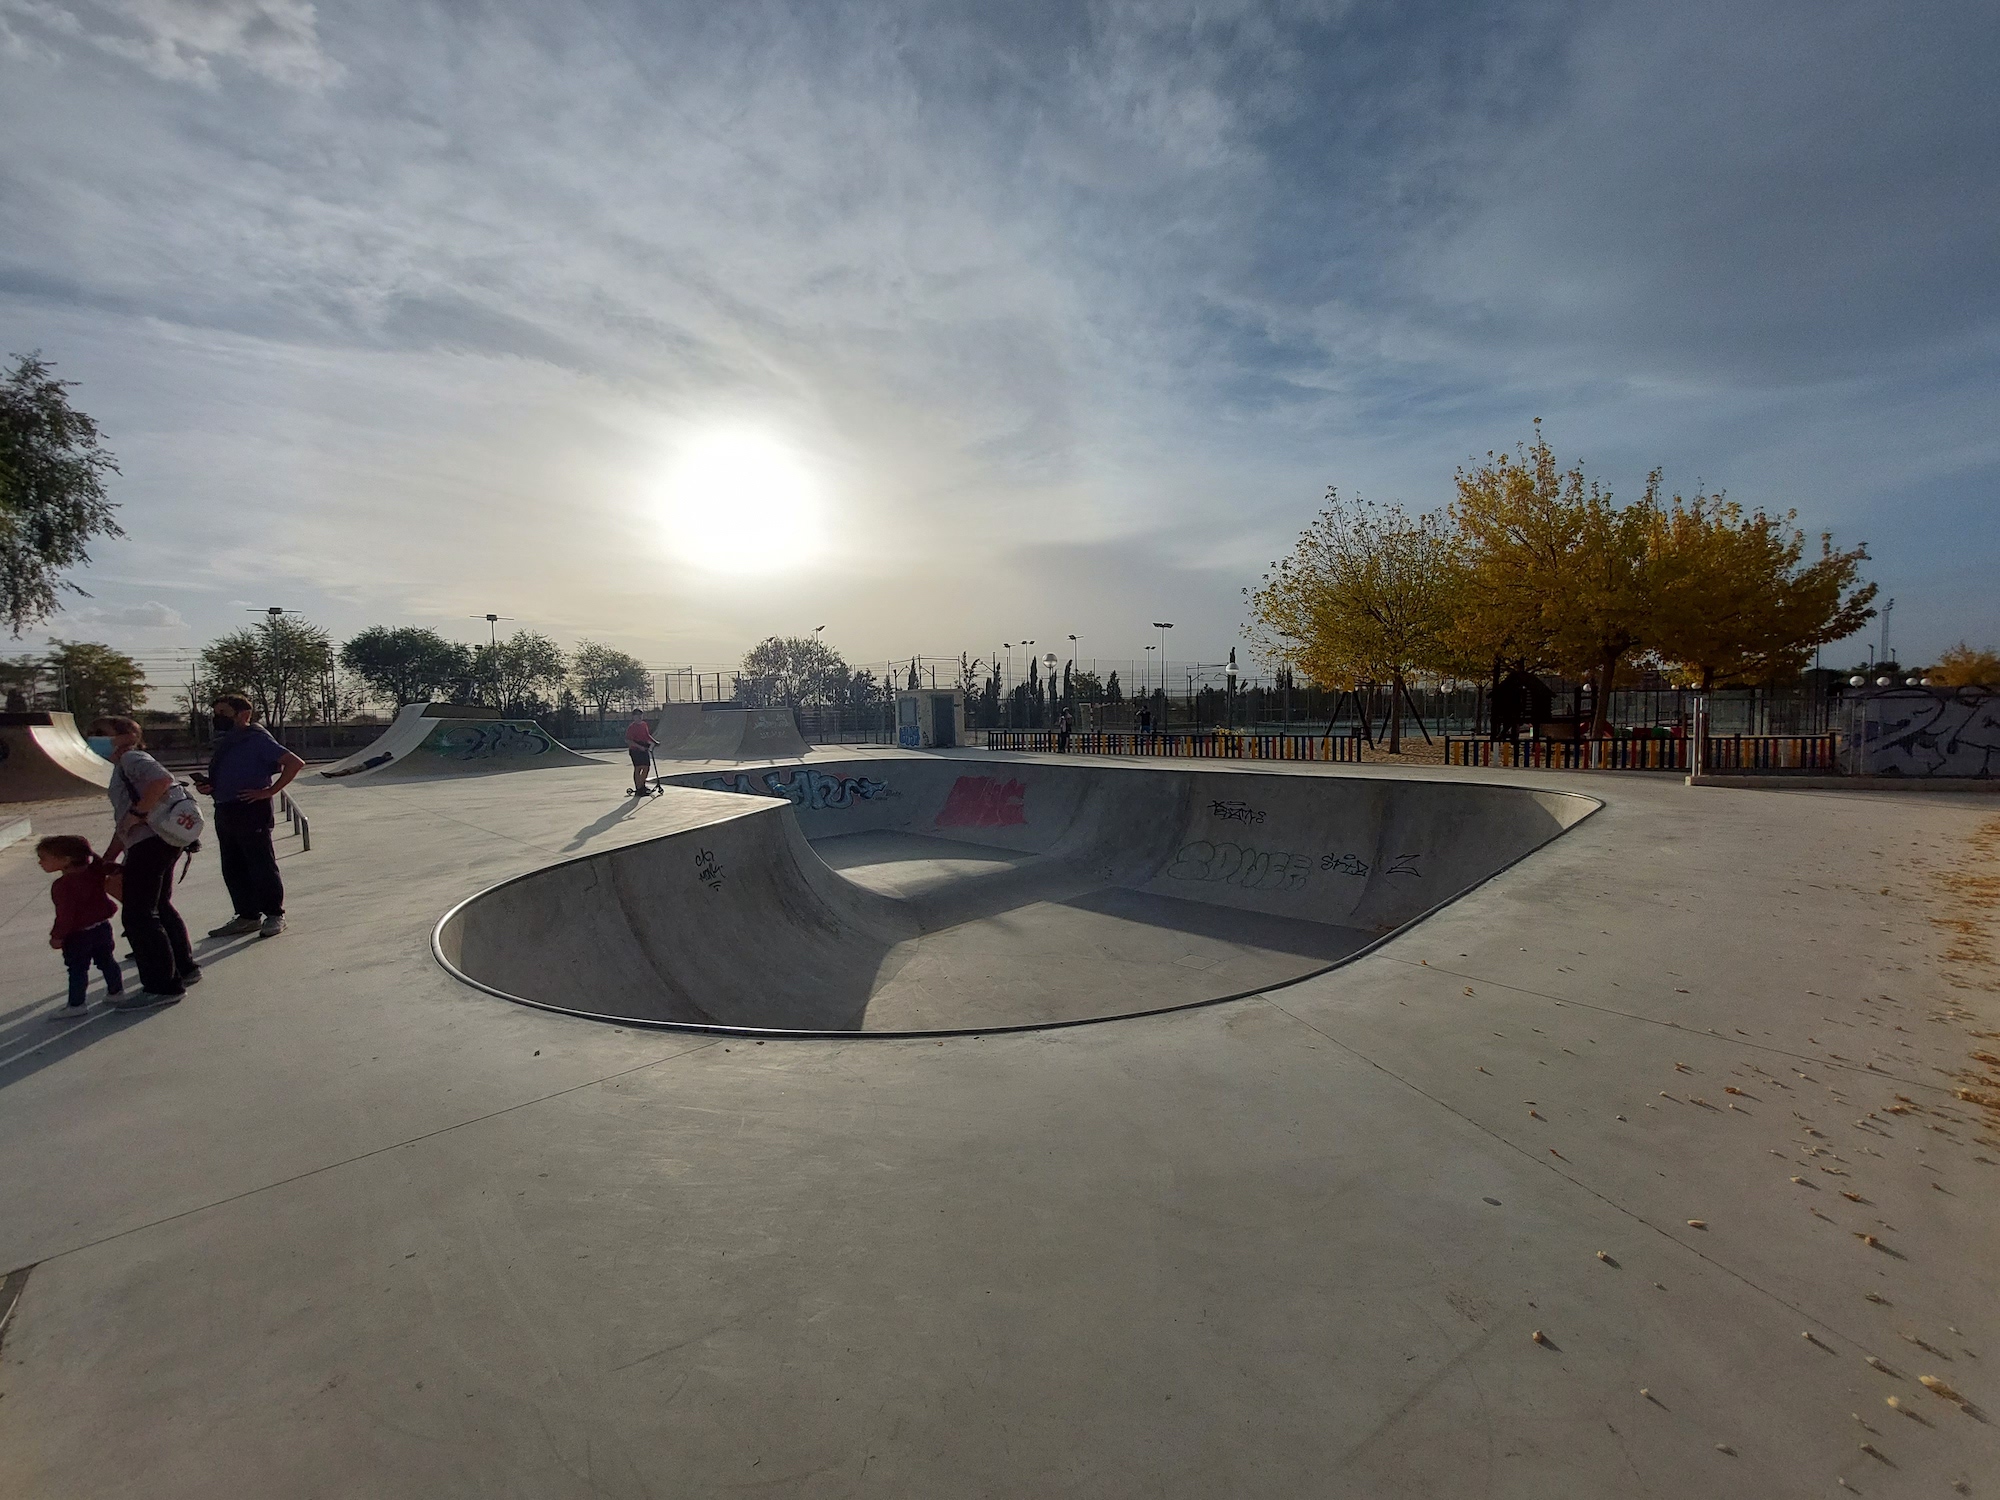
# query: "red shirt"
[80,900]
[639,734]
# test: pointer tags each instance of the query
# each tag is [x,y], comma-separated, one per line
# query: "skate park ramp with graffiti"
[453,739]
[43,758]
[927,894]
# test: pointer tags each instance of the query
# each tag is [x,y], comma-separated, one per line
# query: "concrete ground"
[339,1226]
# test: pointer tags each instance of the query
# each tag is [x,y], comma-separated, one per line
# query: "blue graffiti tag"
[485,741]
[812,790]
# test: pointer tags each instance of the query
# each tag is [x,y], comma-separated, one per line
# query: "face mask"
[224,721]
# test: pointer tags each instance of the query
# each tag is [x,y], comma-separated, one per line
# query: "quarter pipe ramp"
[43,758]
[453,739]
[921,895]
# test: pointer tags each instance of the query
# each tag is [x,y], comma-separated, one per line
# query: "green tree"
[52,500]
[95,680]
[404,664]
[794,671]
[1734,599]
[1369,594]
[521,674]
[1113,692]
[604,676]
[281,664]
[1555,573]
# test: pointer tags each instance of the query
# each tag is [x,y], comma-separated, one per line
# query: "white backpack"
[176,817]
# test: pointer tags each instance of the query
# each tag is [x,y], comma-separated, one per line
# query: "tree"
[280,664]
[514,674]
[1961,666]
[95,680]
[1556,574]
[52,499]
[796,671]
[604,676]
[1733,600]
[20,682]
[1369,594]
[404,664]
[1113,693]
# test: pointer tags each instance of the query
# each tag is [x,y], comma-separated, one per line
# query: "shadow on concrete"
[604,824]
[30,1041]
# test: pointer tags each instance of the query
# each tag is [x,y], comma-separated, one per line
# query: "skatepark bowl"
[930,896]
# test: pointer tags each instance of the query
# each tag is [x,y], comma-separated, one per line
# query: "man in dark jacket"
[239,779]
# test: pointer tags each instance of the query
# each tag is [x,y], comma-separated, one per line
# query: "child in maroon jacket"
[83,918]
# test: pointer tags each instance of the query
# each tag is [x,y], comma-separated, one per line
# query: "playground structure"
[43,758]
[454,739]
[909,895]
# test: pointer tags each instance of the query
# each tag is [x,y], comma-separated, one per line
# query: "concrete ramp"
[43,758]
[755,734]
[453,739]
[922,895]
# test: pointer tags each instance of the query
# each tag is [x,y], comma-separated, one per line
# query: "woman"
[158,936]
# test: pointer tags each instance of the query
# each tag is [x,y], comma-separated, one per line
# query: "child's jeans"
[93,945]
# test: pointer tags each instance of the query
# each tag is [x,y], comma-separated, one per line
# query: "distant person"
[639,743]
[159,938]
[240,768]
[1063,727]
[1145,721]
[82,933]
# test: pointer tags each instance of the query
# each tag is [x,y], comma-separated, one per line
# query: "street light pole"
[492,626]
[1163,626]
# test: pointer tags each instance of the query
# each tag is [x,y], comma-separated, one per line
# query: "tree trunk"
[1607,672]
[1396,713]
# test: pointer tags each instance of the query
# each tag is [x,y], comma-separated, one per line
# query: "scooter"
[653,787]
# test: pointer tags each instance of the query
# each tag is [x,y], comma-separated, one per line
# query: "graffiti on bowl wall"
[1240,865]
[984,802]
[813,791]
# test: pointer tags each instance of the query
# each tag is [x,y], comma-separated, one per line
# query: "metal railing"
[1721,753]
[301,824]
[1205,745]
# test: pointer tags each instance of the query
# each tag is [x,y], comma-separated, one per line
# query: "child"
[83,918]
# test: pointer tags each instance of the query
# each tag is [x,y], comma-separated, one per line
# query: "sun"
[741,502]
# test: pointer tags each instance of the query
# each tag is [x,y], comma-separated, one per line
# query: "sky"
[946,325]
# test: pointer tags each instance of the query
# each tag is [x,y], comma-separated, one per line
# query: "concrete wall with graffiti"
[498,739]
[1921,732]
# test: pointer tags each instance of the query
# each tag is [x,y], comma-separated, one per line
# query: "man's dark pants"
[249,863]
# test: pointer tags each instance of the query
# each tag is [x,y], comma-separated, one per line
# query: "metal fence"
[1722,753]
[1211,745]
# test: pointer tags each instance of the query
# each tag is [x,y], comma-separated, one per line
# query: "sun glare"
[738,502]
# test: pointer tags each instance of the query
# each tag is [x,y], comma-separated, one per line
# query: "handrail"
[301,824]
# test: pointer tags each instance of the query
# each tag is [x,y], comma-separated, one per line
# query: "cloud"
[1076,305]
[152,615]
[183,40]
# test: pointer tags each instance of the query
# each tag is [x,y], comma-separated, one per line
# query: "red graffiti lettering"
[983,802]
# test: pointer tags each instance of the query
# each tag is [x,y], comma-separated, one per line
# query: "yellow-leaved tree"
[1367,596]
[1557,575]
[1962,666]
[1734,600]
